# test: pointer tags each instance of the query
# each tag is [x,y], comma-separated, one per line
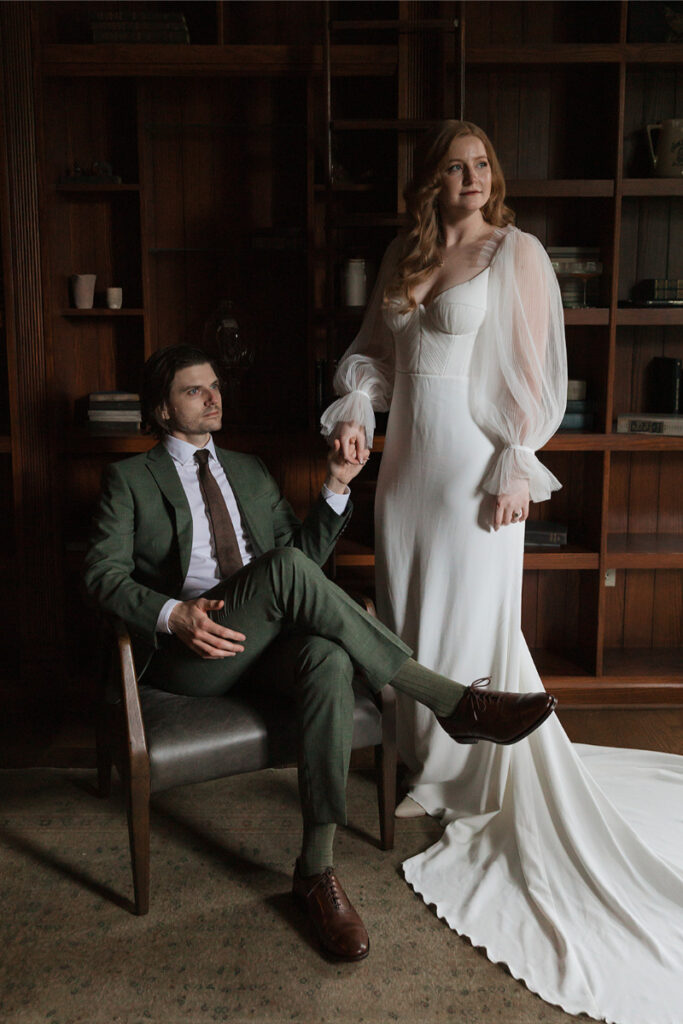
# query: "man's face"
[194,406]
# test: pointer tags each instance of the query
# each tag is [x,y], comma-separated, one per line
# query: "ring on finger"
[516,515]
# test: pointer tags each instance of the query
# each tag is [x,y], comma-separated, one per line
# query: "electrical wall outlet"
[610,577]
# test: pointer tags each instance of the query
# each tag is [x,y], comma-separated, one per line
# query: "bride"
[564,862]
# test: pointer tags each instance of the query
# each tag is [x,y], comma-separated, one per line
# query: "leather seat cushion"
[193,739]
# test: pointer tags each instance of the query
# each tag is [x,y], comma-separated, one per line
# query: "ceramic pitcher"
[667,159]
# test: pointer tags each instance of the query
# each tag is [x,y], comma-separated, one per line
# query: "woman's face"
[467,177]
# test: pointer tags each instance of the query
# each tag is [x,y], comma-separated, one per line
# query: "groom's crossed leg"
[295,618]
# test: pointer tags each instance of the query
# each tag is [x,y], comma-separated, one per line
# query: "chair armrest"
[135,730]
[363,600]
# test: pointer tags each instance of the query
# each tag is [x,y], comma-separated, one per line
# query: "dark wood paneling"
[37,576]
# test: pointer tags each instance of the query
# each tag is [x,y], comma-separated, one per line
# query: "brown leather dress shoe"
[337,925]
[495,716]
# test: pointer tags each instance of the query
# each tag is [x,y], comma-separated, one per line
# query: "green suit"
[300,628]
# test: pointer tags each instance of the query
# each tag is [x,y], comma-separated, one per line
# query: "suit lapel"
[261,532]
[160,465]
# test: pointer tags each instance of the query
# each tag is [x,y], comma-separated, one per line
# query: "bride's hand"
[512,507]
[351,437]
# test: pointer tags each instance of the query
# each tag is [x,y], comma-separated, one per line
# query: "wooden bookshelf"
[564,98]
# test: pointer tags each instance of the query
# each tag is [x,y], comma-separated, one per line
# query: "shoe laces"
[330,886]
[481,701]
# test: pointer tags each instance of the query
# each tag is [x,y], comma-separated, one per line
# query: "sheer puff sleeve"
[365,375]
[518,382]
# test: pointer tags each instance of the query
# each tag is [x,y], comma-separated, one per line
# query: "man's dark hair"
[157,378]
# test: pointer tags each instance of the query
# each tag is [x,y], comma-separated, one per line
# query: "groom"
[196,550]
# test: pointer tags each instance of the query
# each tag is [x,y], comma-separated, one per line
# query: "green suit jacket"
[141,540]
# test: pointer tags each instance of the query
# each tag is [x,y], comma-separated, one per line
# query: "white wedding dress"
[564,862]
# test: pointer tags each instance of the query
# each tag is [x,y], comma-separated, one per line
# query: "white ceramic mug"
[114,298]
[83,290]
[667,158]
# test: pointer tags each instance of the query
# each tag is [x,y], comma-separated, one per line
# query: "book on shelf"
[542,533]
[113,427]
[115,404]
[112,415]
[658,290]
[114,412]
[128,13]
[577,421]
[667,424]
[142,26]
[113,396]
[576,390]
[578,415]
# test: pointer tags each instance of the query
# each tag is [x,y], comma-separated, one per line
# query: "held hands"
[512,507]
[346,457]
[190,622]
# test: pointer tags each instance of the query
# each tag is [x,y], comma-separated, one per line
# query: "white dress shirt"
[203,572]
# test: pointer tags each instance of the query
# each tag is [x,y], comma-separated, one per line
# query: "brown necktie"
[224,539]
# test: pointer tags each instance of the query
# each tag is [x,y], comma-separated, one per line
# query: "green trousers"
[306,635]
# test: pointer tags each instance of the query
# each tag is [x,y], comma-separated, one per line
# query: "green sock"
[316,849]
[441,695]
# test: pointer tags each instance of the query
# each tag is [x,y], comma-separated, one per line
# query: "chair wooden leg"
[138,832]
[386,795]
[386,761]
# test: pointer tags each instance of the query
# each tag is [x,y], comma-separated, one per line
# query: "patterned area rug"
[223,940]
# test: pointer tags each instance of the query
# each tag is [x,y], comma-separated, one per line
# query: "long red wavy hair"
[424,236]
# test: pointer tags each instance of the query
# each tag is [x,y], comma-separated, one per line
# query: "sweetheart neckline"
[460,284]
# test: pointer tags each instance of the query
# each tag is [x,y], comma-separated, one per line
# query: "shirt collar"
[182,452]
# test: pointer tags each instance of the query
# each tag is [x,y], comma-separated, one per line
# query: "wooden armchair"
[159,740]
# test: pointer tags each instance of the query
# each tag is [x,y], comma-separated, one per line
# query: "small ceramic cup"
[83,290]
[114,298]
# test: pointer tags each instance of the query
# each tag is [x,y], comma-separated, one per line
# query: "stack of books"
[579,413]
[541,534]
[664,423]
[114,412]
[139,26]
[658,291]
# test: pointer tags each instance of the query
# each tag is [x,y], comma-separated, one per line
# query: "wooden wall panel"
[667,620]
[32,439]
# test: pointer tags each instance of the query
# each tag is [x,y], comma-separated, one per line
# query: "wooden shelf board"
[631,676]
[401,24]
[107,60]
[601,691]
[569,188]
[89,189]
[575,441]
[653,53]
[389,124]
[640,663]
[569,556]
[346,186]
[370,220]
[652,186]
[590,315]
[578,53]
[660,317]
[353,553]
[645,551]
[96,444]
[97,312]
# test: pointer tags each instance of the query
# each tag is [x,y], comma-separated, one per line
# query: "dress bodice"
[438,339]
